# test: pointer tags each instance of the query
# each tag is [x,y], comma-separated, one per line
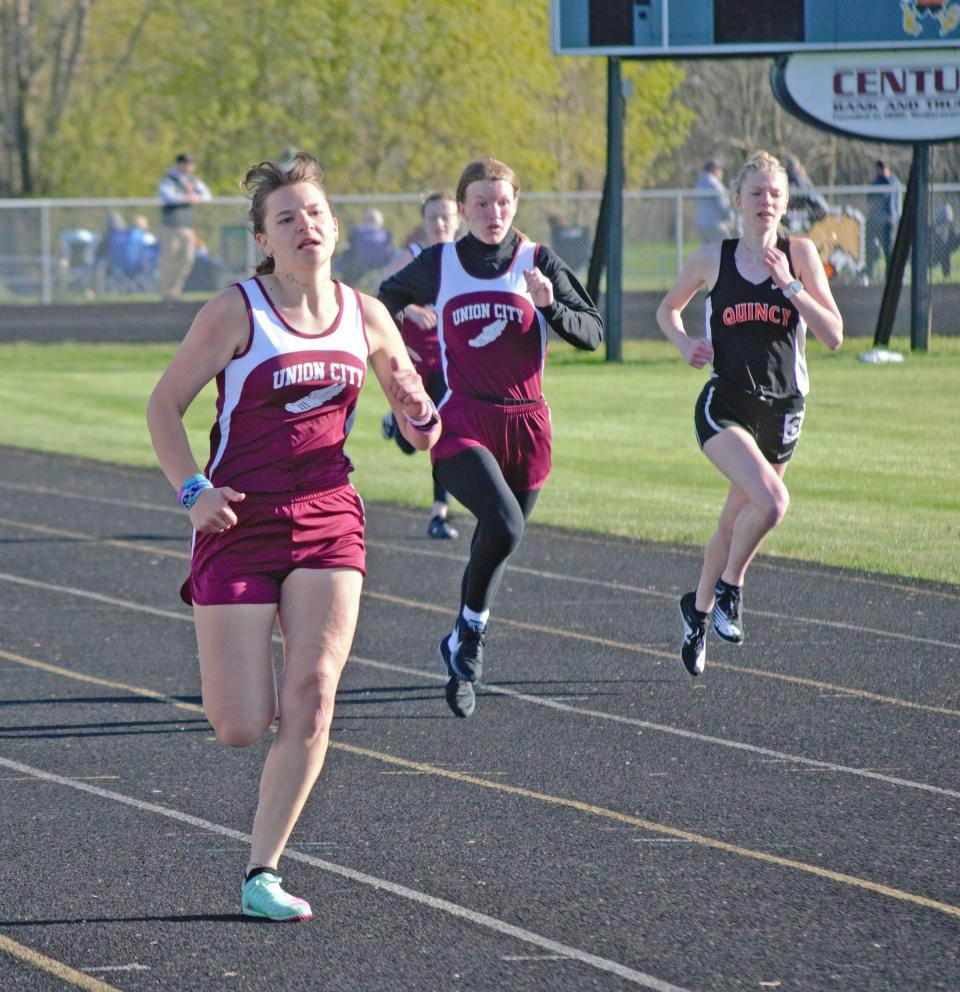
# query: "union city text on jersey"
[486,311]
[317,372]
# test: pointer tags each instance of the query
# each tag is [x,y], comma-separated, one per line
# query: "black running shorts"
[773,424]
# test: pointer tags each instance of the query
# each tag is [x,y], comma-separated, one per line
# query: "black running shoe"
[467,660]
[726,612]
[439,528]
[459,692]
[692,650]
[388,426]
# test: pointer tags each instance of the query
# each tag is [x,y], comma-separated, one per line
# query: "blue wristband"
[191,489]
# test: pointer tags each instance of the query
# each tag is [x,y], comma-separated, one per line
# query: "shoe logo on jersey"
[489,333]
[315,398]
[498,315]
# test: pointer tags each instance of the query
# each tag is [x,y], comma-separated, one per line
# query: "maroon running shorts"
[518,436]
[248,562]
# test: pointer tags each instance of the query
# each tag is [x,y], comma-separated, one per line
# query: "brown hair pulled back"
[266,178]
[486,170]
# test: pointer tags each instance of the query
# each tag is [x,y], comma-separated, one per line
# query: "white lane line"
[118,967]
[533,957]
[96,596]
[582,538]
[560,577]
[492,687]
[106,500]
[671,597]
[811,763]
[380,884]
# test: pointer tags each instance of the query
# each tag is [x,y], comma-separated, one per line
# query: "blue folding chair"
[131,261]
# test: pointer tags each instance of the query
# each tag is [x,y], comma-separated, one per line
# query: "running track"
[788,821]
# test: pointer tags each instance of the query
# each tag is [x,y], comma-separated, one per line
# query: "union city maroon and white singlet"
[286,404]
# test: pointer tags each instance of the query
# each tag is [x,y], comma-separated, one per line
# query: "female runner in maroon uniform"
[278,529]
[495,293]
[765,290]
[419,331]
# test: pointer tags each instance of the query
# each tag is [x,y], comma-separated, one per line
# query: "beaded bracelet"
[427,424]
[191,489]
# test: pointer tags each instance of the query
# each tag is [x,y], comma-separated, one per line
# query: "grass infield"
[873,484]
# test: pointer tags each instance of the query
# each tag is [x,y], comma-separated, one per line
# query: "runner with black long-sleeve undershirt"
[495,293]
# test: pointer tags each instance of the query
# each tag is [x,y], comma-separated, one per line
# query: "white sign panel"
[900,96]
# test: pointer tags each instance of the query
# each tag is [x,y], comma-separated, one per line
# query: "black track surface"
[787,821]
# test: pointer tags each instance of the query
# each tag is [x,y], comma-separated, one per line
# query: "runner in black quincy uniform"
[765,290]
[495,294]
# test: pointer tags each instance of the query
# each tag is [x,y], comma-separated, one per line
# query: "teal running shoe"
[263,898]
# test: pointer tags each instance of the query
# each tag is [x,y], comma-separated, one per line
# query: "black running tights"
[436,387]
[475,479]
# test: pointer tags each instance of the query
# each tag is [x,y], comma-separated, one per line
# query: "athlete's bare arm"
[701,270]
[815,302]
[399,380]
[219,332]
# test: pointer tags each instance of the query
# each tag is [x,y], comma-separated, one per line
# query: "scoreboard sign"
[695,28]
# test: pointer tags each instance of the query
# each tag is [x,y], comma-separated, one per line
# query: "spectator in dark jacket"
[883,212]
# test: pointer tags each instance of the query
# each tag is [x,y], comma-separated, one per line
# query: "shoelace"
[474,636]
[731,603]
[697,632]
[263,881]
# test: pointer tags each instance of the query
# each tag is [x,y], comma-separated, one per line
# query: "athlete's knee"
[773,505]
[239,729]
[503,533]
[306,706]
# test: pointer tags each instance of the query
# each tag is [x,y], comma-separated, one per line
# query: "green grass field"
[874,483]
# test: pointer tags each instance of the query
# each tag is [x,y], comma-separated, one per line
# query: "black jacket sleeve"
[573,315]
[417,282]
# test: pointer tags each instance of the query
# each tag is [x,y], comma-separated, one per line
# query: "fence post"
[613,299]
[46,256]
[920,264]
[678,227]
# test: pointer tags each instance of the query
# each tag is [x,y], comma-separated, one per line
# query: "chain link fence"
[69,251]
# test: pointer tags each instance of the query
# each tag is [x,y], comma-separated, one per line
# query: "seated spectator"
[127,257]
[370,247]
[207,275]
[78,247]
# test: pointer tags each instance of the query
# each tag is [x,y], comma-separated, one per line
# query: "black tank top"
[757,335]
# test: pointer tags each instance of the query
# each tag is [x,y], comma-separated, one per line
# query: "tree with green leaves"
[394,101]
[41,46]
